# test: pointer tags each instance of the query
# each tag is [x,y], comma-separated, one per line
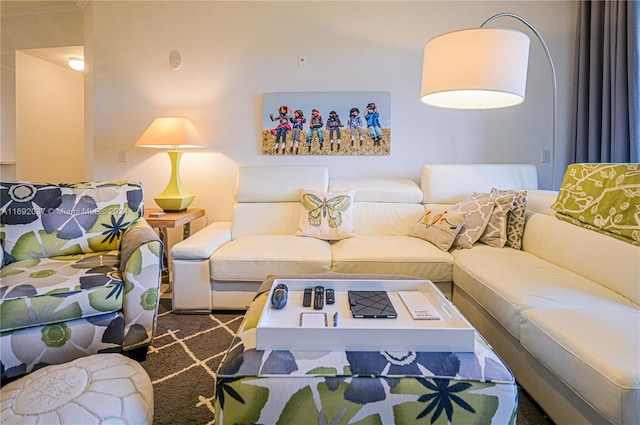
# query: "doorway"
[49,115]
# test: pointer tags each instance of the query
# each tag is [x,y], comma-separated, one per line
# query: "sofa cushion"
[451,183]
[384,254]
[595,352]
[600,258]
[385,218]
[477,215]
[507,281]
[515,217]
[41,291]
[24,350]
[495,234]
[251,258]
[265,218]
[439,229]
[326,215]
[540,201]
[379,190]
[279,183]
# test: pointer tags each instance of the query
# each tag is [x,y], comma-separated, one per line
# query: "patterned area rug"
[183,360]
[185,356]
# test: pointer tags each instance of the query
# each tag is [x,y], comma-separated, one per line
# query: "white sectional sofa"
[222,266]
[563,311]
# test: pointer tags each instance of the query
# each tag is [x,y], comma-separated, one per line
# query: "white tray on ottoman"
[281,330]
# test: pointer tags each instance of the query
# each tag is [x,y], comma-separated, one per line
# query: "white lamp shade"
[170,132]
[479,68]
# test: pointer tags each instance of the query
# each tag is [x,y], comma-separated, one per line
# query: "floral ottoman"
[293,387]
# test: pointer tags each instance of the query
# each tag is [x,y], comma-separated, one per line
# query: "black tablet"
[371,304]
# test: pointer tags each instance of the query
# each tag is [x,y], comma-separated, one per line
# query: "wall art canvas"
[326,123]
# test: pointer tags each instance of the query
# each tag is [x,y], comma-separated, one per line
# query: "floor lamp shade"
[173,133]
[478,68]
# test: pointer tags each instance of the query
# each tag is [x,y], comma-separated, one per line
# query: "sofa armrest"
[204,243]
[141,265]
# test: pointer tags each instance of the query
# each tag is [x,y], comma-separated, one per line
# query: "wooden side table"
[171,220]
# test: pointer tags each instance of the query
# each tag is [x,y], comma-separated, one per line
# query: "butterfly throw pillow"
[439,229]
[326,215]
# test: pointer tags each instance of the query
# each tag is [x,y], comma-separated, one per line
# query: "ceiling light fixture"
[76,63]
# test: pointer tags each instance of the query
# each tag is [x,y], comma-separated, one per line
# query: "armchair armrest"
[204,243]
[140,264]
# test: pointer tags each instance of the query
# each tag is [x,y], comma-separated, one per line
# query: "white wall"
[49,121]
[232,52]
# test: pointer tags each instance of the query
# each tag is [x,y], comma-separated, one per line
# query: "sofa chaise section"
[563,311]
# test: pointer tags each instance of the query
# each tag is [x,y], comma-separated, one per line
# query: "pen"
[335,319]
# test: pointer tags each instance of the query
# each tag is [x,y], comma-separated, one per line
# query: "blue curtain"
[608,82]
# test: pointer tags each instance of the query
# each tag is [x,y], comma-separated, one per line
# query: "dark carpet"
[184,357]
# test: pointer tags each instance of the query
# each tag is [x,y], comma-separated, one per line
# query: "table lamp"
[482,68]
[172,133]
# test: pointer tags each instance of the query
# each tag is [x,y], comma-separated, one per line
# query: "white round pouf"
[102,389]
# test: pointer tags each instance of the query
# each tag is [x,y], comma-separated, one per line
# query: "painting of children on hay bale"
[326,123]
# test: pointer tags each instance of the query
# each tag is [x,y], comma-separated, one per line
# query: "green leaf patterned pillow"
[602,197]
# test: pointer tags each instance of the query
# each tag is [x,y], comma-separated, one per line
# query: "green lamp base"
[174,197]
[170,204]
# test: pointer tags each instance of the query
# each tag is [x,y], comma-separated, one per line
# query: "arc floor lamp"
[482,68]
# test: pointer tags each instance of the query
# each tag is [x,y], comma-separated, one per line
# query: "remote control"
[418,305]
[306,300]
[330,297]
[318,299]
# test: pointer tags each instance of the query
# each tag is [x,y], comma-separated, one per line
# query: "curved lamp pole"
[482,68]
[553,74]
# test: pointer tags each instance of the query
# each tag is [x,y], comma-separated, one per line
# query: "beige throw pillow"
[440,229]
[326,215]
[516,217]
[495,234]
[477,215]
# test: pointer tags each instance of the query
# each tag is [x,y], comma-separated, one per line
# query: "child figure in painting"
[373,123]
[284,114]
[333,125]
[315,126]
[354,124]
[297,120]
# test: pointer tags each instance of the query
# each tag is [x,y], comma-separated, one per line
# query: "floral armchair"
[80,273]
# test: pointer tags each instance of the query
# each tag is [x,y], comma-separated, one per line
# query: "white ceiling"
[57,55]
